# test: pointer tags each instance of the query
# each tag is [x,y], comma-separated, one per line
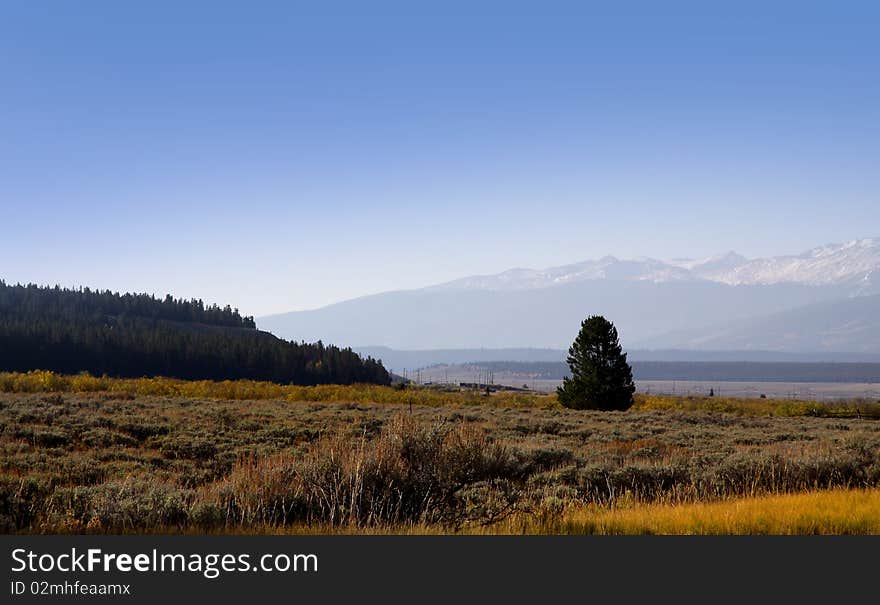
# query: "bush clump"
[410,473]
[120,506]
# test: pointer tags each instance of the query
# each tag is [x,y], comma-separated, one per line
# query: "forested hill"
[103,332]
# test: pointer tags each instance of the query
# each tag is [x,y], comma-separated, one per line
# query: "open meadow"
[83,454]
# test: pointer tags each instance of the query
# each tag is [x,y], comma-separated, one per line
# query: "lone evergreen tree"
[601,378]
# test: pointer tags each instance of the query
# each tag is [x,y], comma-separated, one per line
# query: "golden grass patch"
[854,511]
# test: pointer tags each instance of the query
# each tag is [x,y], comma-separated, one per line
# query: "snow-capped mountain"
[654,303]
[855,263]
[707,266]
[607,267]
[851,262]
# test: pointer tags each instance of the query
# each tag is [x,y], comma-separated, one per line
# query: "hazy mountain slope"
[845,325]
[544,317]
[398,359]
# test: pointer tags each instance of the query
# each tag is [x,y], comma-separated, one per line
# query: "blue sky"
[275,158]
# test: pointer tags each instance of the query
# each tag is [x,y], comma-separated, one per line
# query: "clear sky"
[273,158]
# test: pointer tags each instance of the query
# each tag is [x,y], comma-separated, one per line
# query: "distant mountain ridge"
[855,263]
[655,304]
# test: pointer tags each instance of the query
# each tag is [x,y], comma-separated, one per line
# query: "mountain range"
[826,299]
[854,264]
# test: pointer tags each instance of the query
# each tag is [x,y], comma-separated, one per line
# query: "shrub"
[21,502]
[120,506]
[410,473]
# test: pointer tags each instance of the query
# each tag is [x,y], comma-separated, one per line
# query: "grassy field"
[85,454]
[828,512]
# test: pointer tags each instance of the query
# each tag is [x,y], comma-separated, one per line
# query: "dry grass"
[832,512]
[41,381]
[760,407]
[411,473]
[95,455]
[828,512]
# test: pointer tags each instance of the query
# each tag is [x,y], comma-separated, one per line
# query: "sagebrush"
[116,461]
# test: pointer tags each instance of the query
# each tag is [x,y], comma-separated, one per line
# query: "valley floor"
[817,391]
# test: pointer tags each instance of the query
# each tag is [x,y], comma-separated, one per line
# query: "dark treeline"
[752,371]
[134,335]
[85,303]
